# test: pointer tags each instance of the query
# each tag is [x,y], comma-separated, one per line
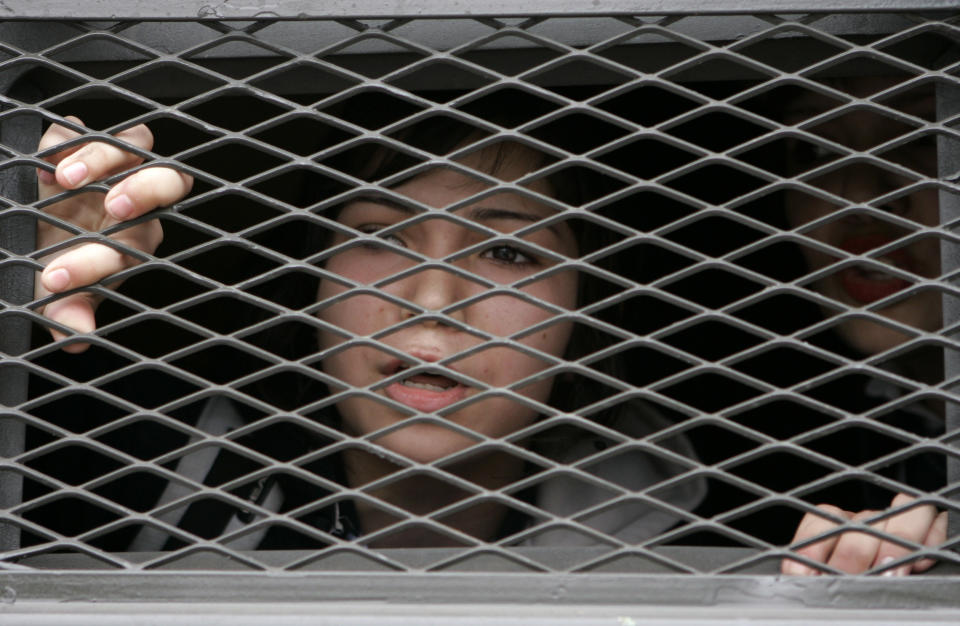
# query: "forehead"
[442,188]
[507,161]
[504,162]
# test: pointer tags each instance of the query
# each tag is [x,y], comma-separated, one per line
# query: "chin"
[868,337]
[425,443]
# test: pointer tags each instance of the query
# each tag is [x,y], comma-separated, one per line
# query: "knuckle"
[54,136]
[161,185]
[901,499]
[813,551]
[139,187]
[888,549]
[862,515]
[852,552]
[48,140]
[146,136]
[154,235]
[830,508]
[139,136]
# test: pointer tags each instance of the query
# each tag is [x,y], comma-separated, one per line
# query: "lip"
[858,244]
[866,287]
[425,400]
[422,400]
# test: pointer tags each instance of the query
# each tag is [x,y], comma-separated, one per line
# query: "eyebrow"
[478,214]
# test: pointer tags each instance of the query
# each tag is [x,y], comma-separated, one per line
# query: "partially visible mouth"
[424,391]
[429,382]
[868,284]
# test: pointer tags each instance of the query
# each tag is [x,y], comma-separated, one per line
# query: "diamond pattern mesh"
[540,295]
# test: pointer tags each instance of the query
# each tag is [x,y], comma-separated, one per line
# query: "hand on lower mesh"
[856,551]
[132,197]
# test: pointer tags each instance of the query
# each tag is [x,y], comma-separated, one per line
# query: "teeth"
[876,275]
[427,386]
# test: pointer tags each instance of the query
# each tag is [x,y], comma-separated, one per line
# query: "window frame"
[598,591]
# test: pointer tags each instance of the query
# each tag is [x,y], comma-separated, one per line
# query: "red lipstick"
[866,285]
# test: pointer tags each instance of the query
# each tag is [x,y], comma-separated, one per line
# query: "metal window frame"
[598,596]
[306,9]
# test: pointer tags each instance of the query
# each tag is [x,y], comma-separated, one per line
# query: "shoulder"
[609,478]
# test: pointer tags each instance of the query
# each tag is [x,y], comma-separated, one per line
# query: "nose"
[433,290]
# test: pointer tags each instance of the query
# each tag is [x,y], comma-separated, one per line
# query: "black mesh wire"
[762,319]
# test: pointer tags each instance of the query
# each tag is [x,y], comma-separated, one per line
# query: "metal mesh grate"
[698,328]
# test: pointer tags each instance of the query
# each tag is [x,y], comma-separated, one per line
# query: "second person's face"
[862,231]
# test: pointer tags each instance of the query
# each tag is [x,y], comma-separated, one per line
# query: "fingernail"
[120,206]
[57,280]
[903,570]
[75,172]
[45,177]
[883,562]
[797,569]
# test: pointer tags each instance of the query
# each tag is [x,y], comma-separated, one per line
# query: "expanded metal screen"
[545,294]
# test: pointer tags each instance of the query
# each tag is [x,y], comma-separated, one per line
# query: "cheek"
[801,208]
[506,316]
[926,252]
[359,315]
[799,214]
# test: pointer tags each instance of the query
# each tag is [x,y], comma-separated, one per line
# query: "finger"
[86,264]
[97,160]
[57,135]
[810,526]
[54,136]
[856,551]
[90,263]
[912,525]
[75,311]
[935,537]
[146,190]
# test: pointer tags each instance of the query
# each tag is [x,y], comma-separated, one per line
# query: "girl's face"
[859,233]
[474,318]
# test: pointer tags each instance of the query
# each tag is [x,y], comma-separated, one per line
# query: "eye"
[507,255]
[372,229]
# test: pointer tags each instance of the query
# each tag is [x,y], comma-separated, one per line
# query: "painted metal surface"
[36,578]
[300,9]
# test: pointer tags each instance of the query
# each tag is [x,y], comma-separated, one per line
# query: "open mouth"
[868,284]
[425,392]
[429,382]
[861,244]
